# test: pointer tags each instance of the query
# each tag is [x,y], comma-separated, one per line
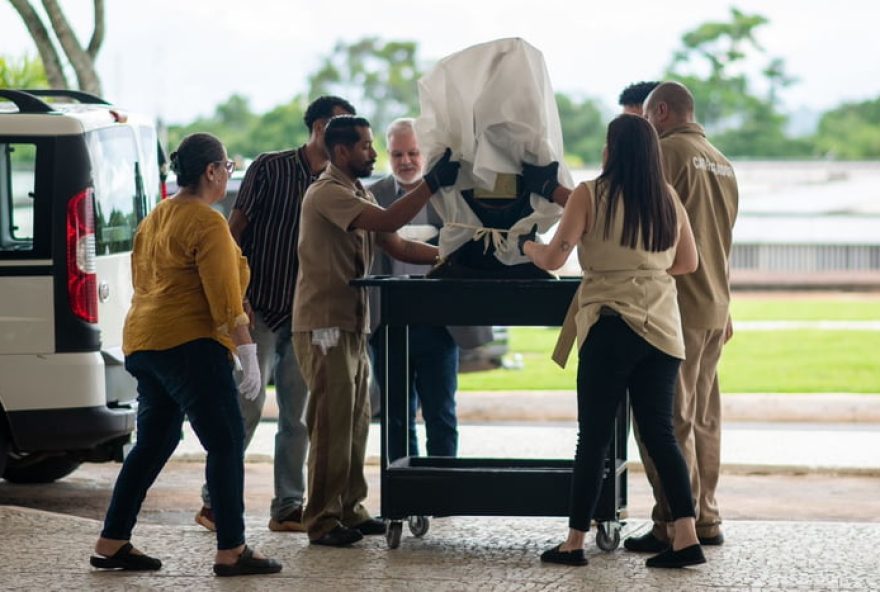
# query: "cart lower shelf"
[414,488]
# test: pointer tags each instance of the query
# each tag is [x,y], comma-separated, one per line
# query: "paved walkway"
[561,406]
[762,432]
[839,448]
[46,552]
[543,406]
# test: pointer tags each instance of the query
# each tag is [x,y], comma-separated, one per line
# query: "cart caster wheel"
[419,525]
[608,536]
[393,534]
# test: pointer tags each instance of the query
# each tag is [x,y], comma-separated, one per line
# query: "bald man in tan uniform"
[706,184]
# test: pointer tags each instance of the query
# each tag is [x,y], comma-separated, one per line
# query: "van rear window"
[120,199]
[18,166]
[150,164]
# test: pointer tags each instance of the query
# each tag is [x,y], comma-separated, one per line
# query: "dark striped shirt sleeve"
[270,197]
[252,188]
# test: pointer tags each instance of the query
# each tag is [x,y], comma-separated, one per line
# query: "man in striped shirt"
[265,223]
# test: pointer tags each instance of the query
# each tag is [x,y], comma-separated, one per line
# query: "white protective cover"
[494,106]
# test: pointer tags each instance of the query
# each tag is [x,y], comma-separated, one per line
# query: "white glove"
[325,338]
[251,382]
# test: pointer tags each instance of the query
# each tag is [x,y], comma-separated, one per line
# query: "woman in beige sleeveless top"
[632,235]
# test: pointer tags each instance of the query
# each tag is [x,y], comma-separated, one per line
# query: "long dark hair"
[633,169]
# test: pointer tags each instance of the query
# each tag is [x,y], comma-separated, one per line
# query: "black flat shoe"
[647,543]
[554,555]
[247,565]
[692,555]
[125,560]
[712,541]
[340,536]
[371,526]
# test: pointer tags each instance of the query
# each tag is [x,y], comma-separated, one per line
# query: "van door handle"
[103,291]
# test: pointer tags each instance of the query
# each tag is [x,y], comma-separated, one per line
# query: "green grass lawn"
[796,361]
[842,309]
[802,362]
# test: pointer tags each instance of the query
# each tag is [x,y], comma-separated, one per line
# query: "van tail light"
[82,283]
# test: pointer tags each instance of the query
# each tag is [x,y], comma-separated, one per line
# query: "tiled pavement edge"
[43,551]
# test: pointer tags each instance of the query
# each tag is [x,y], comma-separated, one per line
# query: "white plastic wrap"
[494,106]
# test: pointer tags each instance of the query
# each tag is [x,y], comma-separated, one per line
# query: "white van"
[76,178]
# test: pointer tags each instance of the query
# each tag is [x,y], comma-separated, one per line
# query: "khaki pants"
[696,420]
[338,418]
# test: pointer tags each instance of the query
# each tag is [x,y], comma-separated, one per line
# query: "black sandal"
[125,560]
[556,555]
[692,555]
[247,565]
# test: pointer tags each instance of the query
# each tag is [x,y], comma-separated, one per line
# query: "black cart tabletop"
[411,300]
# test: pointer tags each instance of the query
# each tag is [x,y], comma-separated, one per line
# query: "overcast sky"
[178,58]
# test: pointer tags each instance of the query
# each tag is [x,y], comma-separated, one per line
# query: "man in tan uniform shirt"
[340,224]
[706,184]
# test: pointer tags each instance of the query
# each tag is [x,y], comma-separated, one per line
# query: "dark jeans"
[433,380]
[193,380]
[613,359]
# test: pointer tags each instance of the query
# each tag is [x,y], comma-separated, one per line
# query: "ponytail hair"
[195,153]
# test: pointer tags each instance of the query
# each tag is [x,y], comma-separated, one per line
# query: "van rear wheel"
[36,468]
[5,443]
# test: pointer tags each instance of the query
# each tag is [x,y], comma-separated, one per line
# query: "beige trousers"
[338,419]
[696,420]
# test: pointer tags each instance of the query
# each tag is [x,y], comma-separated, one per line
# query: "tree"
[708,61]
[281,128]
[379,78]
[232,122]
[235,113]
[710,64]
[26,73]
[245,133]
[82,60]
[583,128]
[851,131]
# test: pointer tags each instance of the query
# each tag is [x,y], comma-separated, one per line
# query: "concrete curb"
[634,466]
[561,406]
[538,406]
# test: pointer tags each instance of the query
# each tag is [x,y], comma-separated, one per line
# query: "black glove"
[530,236]
[444,172]
[541,179]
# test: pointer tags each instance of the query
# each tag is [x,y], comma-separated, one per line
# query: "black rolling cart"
[414,488]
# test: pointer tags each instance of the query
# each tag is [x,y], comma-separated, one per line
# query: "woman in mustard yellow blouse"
[185,322]
[632,235]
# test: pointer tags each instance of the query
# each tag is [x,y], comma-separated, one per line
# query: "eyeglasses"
[228,164]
